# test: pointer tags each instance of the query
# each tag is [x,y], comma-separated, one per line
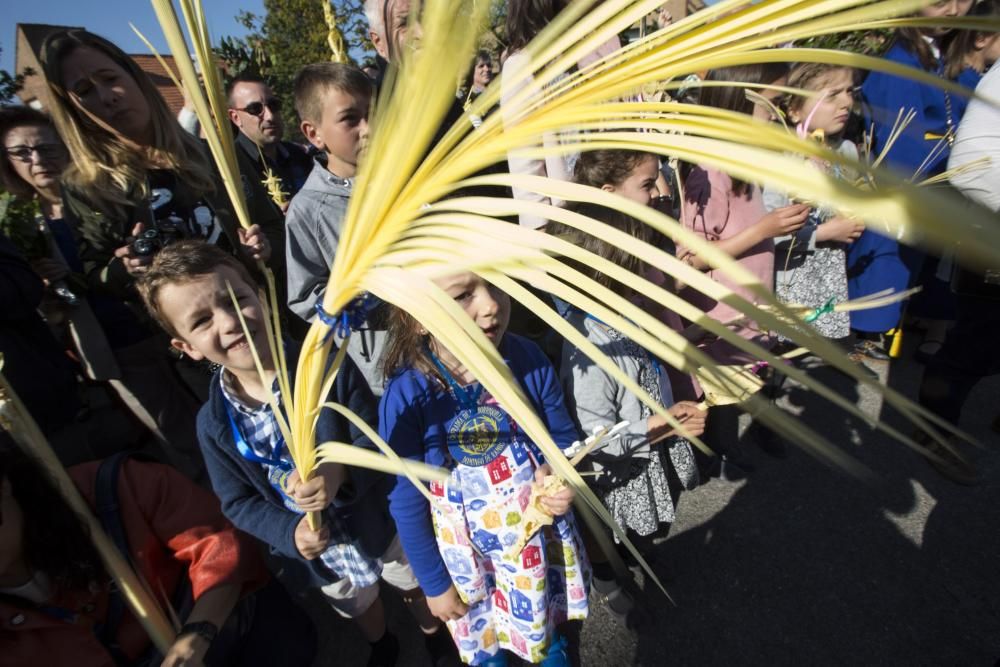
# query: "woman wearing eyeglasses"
[95,328]
[137,182]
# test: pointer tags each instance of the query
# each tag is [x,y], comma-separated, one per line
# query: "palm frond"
[403,230]
[15,419]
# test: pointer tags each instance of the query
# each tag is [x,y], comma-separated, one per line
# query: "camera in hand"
[150,241]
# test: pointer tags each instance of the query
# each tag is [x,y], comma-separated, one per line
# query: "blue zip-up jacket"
[252,504]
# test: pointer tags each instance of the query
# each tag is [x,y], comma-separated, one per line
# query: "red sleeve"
[168,516]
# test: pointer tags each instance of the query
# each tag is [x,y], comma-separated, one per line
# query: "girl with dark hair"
[631,174]
[640,474]
[730,213]
[58,601]
[973,50]
[876,262]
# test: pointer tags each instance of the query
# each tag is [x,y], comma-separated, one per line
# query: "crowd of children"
[111,164]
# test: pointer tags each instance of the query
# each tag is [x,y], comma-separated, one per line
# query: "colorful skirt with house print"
[516,601]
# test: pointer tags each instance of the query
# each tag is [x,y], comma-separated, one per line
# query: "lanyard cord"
[244,447]
[467,397]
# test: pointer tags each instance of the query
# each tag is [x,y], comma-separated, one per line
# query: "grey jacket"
[597,399]
[313,225]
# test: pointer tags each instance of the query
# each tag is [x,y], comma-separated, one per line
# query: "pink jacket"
[712,209]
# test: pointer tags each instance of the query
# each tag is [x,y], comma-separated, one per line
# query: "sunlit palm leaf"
[15,418]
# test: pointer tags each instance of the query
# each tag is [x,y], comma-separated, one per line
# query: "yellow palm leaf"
[400,233]
[16,419]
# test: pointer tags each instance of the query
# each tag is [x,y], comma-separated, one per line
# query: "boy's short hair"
[312,82]
[179,263]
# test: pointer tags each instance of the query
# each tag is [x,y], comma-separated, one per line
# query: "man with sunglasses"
[256,112]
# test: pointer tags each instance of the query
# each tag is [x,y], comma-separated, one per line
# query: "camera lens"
[146,243]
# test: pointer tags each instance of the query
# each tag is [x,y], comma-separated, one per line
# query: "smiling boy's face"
[207,325]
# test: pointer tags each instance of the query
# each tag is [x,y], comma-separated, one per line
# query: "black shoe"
[949,463]
[733,469]
[620,604]
[442,649]
[868,349]
[385,651]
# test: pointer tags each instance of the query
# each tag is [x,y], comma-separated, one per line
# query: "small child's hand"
[187,651]
[316,494]
[690,416]
[309,542]
[255,243]
[784,220]
[448,606]
[840,228]
[558,503]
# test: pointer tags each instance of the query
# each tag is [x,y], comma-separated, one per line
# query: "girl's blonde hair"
[805,75]
[108,169]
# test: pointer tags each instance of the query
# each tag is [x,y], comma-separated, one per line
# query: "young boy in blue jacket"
[185,290]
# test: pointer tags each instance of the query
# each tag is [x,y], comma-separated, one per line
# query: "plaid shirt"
[260,430]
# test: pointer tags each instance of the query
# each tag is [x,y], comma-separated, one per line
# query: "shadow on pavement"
[806,565]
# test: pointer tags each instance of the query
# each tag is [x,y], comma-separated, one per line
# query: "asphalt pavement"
[801,563]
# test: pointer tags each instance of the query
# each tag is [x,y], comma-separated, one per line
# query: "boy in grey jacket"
[332,101]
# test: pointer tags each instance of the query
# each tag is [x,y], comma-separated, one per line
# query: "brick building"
[29,39]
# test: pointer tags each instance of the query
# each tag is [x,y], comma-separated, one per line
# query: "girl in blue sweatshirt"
[877,261]
[497,592]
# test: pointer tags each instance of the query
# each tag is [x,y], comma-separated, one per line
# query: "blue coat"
[415,414]
[875,262]
[252,504]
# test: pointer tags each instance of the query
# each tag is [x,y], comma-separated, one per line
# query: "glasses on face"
[257,108]
[23,153]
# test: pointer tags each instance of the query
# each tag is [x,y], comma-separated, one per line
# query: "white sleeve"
[978,138]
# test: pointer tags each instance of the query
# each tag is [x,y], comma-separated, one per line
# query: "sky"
[110,19]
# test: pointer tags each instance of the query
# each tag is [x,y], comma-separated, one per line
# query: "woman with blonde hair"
[137,182]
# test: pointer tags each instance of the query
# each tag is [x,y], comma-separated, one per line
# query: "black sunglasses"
[257,108]
[23,153]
